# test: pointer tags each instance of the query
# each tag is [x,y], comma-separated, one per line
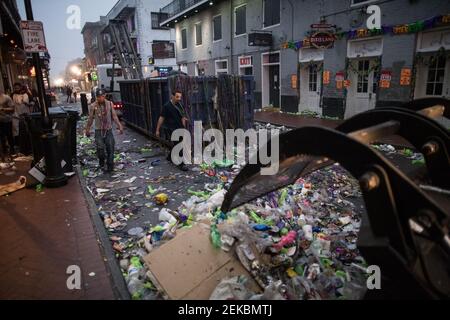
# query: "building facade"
[155,44]
[14,66]
[93,43]
[328,56]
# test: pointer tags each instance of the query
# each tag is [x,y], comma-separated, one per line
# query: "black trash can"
[73,119]
[64,124]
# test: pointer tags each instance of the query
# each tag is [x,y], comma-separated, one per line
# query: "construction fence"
[222,102]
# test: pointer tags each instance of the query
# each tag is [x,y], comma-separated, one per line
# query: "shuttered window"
[271,12]
[217,28]
[241,20]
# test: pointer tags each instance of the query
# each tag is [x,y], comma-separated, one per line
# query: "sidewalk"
[42,234]
[297,121]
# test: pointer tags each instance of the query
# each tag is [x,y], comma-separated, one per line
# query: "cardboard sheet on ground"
[189,267]
[14,186]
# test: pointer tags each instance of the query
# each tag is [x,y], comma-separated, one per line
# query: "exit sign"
[245,61]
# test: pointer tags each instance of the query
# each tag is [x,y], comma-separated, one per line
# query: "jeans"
[6,134]
[168,134]
[105,148]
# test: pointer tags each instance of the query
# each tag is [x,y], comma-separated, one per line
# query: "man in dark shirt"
[173,116]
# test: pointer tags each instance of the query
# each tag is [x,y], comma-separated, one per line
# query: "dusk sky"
[64,44]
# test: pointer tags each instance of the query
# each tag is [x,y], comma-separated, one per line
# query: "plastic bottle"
[215,237]
[164,215]
[307,229]
[135,284]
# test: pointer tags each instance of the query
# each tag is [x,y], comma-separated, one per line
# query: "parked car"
[116,99]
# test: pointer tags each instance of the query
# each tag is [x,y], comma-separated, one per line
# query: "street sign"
[322,40]
[245,61]
[258,39]
[322,26]
[163,50]
[33,36]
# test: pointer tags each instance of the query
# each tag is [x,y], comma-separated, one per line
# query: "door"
[361,95]
[438,74]
[274,86]
[310,87]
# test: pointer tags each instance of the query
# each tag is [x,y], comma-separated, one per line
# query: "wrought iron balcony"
[178,9]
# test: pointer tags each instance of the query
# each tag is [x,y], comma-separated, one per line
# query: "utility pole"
[54,174]
[39,76]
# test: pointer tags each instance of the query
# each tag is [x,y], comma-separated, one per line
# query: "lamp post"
[54,174]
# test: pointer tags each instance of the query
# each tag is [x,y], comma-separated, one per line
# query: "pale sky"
[63,43]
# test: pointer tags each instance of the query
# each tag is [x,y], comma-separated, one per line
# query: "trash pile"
[415,157]
[296,243]
[300,242]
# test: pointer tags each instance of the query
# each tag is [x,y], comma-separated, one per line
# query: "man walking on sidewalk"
[102,113]
[174,117]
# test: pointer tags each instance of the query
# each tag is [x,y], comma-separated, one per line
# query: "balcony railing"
[178,6]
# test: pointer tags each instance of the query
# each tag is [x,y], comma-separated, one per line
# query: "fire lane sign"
[33,36]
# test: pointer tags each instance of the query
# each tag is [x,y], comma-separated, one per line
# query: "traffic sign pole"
[54,173]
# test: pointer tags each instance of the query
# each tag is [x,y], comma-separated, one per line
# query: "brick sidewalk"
[296,121]
[41,235]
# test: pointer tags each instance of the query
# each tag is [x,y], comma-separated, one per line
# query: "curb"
[119,286]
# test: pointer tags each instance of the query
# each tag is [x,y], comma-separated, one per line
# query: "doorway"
[310,88]
[362,93]
[271,82]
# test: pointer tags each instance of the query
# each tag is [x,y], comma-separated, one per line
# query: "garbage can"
[84,104]
[64,124]
[73,119]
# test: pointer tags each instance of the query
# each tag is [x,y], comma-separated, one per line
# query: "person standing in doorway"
[6,134]
[103,115]
[173,117]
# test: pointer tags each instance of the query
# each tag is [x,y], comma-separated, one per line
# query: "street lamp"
[59,82]
[76,70]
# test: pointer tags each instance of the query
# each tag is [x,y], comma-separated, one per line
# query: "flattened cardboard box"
[189,267]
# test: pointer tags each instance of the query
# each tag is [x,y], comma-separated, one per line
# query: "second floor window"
[157,18]
[198,34]
[183,39]
[94,42]
[217,28]
[271,12]
[240,20]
